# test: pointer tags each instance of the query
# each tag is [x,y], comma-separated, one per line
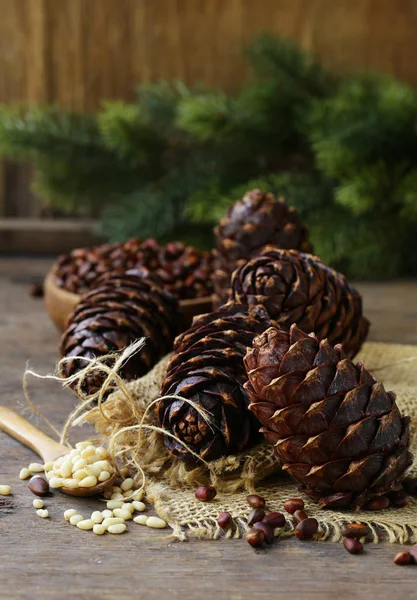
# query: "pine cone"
[114,314]
[185,271]
[299,288]
[207,368]
[335,429]
[251,223]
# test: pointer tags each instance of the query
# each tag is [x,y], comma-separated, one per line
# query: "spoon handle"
[23,431]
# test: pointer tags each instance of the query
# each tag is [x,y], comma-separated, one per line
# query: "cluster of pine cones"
[274,359]
[183,270]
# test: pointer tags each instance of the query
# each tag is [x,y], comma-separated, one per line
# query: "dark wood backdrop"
[78,52]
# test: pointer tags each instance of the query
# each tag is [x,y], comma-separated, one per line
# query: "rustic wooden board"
[77,53]
[46,560]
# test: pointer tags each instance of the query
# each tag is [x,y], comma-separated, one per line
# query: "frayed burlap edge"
[136,439]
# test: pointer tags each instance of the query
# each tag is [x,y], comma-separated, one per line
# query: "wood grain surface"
[49,560]
[77,52]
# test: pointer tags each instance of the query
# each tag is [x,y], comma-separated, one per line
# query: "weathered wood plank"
[76,53]
[45,236]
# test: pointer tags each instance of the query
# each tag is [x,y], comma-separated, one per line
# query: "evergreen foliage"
[342,151]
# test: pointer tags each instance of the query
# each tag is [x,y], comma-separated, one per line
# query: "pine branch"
[282,60]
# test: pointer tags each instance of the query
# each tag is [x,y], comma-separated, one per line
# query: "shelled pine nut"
[141,519]
[24,473]
[98,529]
[119,528]
[5,490]
[85,524]
[76,519]
[37,503]
[156,523]
[69,513]
[43,513]
[36,467]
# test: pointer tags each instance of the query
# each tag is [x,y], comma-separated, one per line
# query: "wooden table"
[49,559]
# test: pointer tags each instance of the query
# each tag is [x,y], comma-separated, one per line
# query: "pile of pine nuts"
[85,466]
[118,511]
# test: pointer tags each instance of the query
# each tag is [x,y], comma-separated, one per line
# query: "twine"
[127,422]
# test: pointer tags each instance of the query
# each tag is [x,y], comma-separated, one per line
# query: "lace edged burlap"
[170,484]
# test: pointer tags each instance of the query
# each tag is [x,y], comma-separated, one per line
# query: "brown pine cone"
[117,312]
[298,288]
[207,368]
[185,271]
[335,429]
[251,223]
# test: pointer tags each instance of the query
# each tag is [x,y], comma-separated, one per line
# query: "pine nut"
[24,473]
[112,521]
[70,513]
[129,507]
[71,484]
[36,468]
[102,452]
[88,482]
[66,469]
[48,466]
[103,465]
[38,486]
[5,490]
[37,503]
[128,495]
[127,484]
[81,445]
[107,514]
[117,528]
[116,489]
[112,504]
[76,519]
[93,470]
[141,519]
[104,476]
[56,482]
[156,523]
[138,506]
[86,524]
[98,529]
[96,516]
[117,496]
[43,514]
[89,451]
[79,464]
[122,513]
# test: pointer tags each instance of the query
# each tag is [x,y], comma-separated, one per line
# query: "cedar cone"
[299,288]
[254,221]
[207,368]
[335,429]
[184,270]
[117,312]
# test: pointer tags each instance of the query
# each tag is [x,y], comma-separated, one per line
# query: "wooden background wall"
[77,52]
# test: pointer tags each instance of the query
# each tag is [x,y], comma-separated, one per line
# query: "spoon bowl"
[47,448]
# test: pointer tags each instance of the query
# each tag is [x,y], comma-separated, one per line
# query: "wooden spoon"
[49,450]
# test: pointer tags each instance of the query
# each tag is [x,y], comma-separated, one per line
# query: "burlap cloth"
[170,485]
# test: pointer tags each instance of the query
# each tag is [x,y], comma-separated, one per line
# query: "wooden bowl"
[60,303]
